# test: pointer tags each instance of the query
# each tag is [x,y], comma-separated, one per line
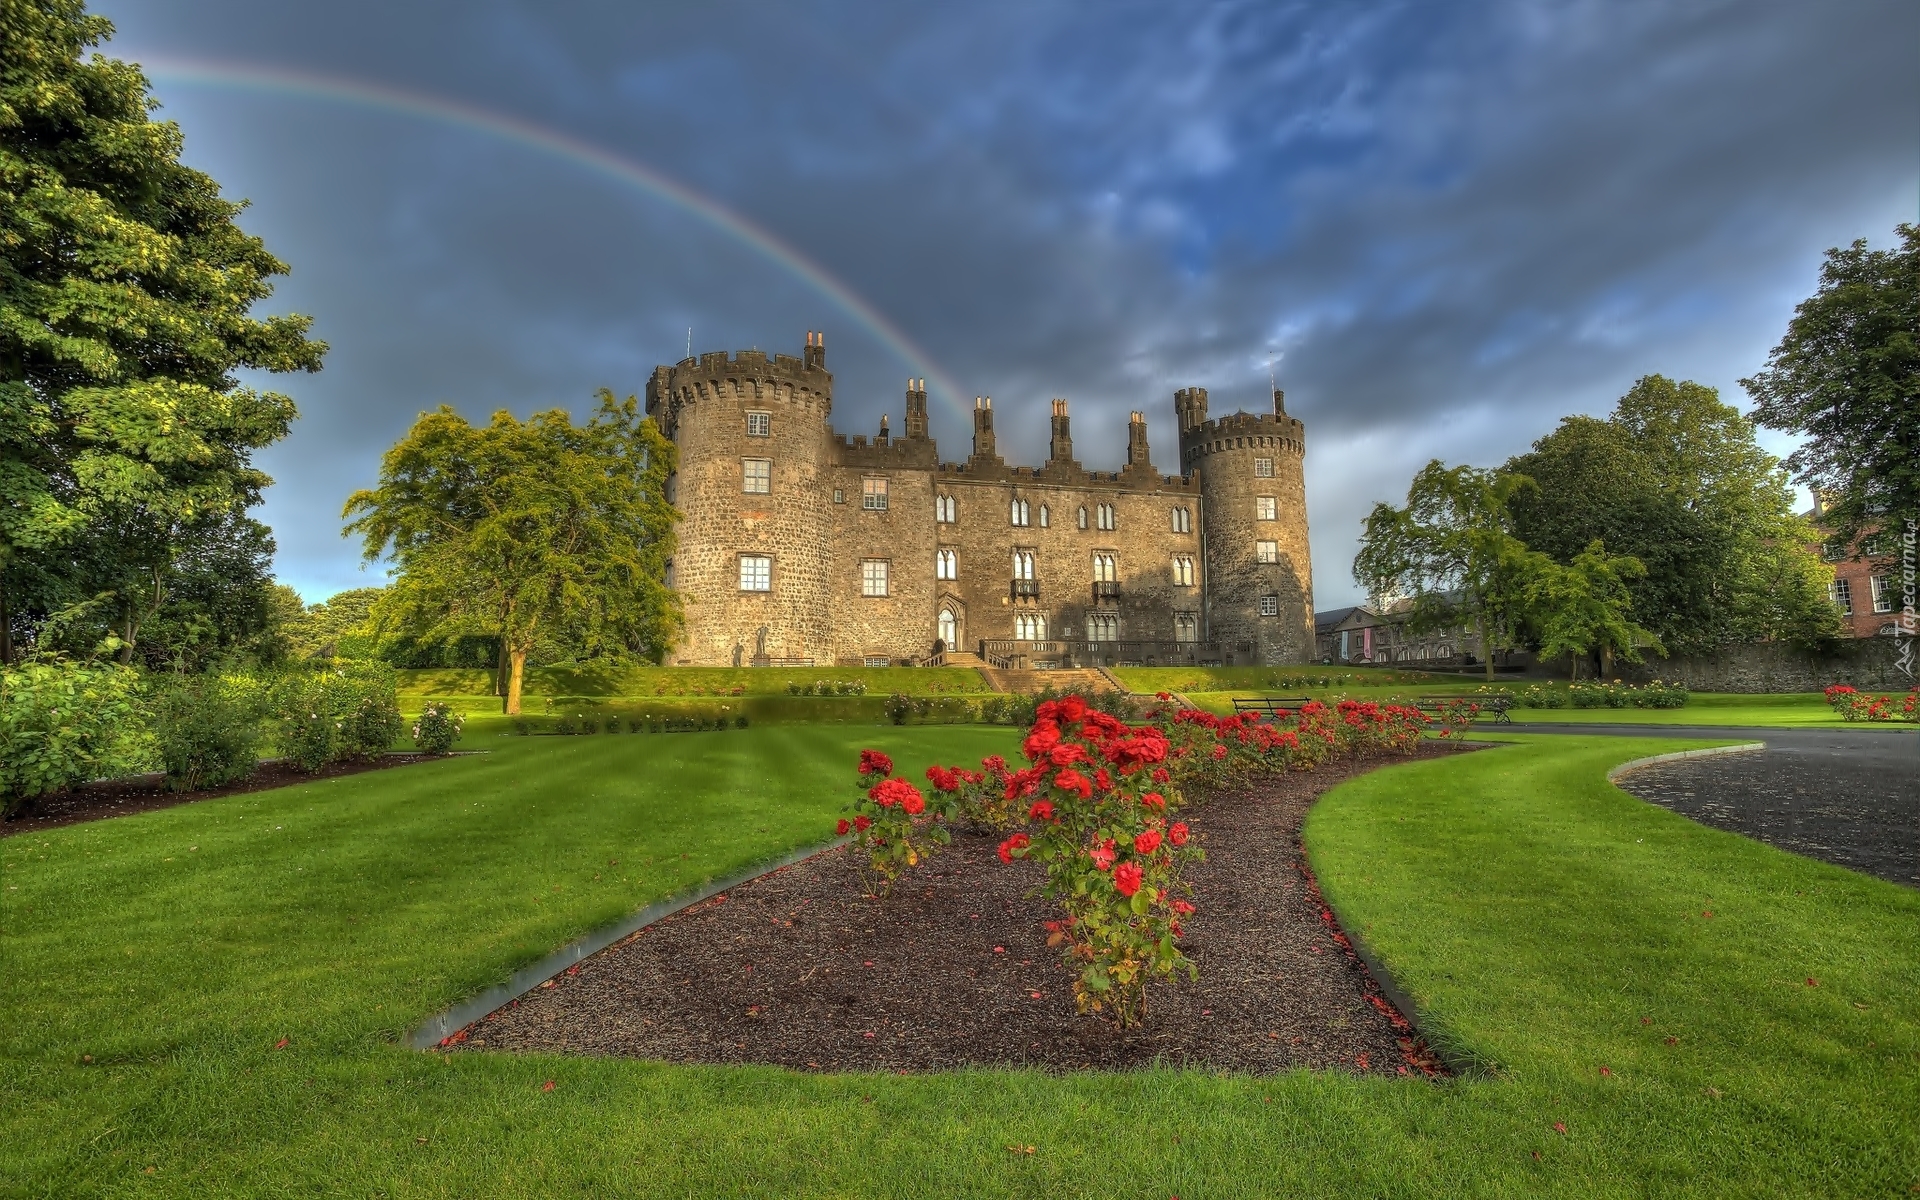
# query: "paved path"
[1847,796]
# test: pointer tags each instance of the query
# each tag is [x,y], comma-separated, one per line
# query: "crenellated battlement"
[1242,431]
[744,377]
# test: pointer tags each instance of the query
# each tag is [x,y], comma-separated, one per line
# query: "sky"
[1441,227]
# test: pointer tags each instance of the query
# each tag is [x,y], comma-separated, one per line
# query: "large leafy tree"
[515,528]
[1675,479]
[1582,607]
[1453,551]
[1847,377]
[125,296]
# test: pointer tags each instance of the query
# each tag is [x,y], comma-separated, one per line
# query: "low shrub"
[206,728]
[1605,695]
[891,824]
[336,711]
[437,728]
[63,723]
[1855,705]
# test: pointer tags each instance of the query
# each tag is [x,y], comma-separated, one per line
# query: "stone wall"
[1770,667]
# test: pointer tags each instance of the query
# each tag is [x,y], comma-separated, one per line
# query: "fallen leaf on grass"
[281,1044]
[1713,1093]
[419,1141]
[1646,1020]
[1020,1149]
[1559,1126]
[547,1086]
[1812,982]
[1673,1041]
[1606,1070]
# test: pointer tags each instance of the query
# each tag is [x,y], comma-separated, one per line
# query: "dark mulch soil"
[797,969]
[1858,808]
[145,793]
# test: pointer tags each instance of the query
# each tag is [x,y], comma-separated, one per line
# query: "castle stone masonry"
[800,545]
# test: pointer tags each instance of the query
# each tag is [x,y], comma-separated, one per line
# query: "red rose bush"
[892,825]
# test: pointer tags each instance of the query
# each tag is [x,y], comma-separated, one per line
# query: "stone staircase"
[1090,681]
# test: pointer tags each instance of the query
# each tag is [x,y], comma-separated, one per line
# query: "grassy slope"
[693,681]
[1507,889]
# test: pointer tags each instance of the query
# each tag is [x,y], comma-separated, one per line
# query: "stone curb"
[428,1035]
[1614,775]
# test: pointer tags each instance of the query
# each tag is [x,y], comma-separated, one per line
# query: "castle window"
[1266,508]
[1103,627]
[1030,627]
[1083,516]
[946,565]
[839,496]
[756,476]
[759,424]
[1017,512]
[1842,594]
[1183,520]
[1263,468]
[1023,564]
[1266,552]
[1183,570]
[873,577]
[1103,516]
[1105,569]
[1186,627]
[877,660]
[1882,594]
[945,510]
[1269,605]
[1046,518]
[756,573]
[873,494]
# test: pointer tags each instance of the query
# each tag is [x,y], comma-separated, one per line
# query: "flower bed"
[1855,705]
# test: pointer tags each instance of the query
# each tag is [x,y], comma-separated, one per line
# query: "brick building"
[1865,585]
[800,545]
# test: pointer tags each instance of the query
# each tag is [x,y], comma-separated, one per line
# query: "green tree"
[125,292]
[1582,607]
[1453,550]
[1847,377]
[514,528]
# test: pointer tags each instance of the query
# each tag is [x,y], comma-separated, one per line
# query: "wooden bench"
[1271,707]
[1497,705]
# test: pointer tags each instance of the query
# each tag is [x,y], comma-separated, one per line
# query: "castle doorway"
[949,628]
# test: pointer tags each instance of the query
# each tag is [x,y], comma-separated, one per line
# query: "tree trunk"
[1573,666]
[1606,662]
[1486,647]
[514,679]
[500,669]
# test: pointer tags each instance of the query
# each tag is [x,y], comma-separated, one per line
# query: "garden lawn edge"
[1615,774]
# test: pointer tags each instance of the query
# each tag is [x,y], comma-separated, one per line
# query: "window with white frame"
[946,565]
[1023,564]
[873,493]
[945,510]
[1105,569]
[1103,627]
[877,660]
[1017,512]
[756,476]
[1269,606]
[1030,626]
[756,573]
[1081,516]
[1263,468]
[1266,552]
[1183,570]
[759,424]
[873,577]
[1882,593]
[1183,520]
[1103,516]
[1843,596]
[1266,508]
[1186,627]
[1834,549]
[1046,518]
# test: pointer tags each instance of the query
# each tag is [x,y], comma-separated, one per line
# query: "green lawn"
[1536,912]
[1149,680]
[1790,710]
[697,682]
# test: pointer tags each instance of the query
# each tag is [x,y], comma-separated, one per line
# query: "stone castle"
[802,547]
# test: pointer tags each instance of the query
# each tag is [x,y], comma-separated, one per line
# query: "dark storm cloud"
[1451,225]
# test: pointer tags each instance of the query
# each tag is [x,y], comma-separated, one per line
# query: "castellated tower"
[1254,541]
[754,460]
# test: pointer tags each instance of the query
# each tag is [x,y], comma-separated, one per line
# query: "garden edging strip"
[1614,775]
[432,1033]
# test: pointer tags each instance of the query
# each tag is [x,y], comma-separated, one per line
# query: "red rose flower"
[1146,843]
[1042,810]
[872,762]
[1126,878]
[1070,780]
[1183,908]
[943,779]
[1013,844]
[1219,752]
[1178,833]
[889,792]
[1102,855]
[842,827]
[861,822]
[1161,775]
[1154,800]
[1103,779]
[1066,754]
[913,804]
[1045,736]
[993,762]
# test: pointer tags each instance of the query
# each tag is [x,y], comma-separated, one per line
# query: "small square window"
[1269,606]
[756,573]
[1266,508]
[873,577]
[759,424]
[756,476]
[1266,552]
[839,496]
[1263,468]
[873,494]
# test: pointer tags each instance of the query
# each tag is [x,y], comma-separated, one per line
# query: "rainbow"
[286,81]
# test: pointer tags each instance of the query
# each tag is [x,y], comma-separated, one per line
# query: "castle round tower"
[1254,527]
[754,544]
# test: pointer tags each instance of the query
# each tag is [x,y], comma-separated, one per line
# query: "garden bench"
[1272,707]
[1497,705]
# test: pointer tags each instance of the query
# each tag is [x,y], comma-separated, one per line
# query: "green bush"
[437,728]
[64,723]
[206,728]
[1605,695]
[336,711]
